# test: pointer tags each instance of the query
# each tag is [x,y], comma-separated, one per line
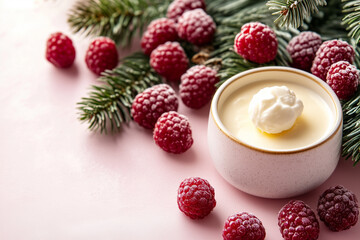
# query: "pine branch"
[109,104]
[292,13]
[351,129]
[352,18]
[117,19]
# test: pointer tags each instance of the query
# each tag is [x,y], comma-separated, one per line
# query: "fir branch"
[352,18]
[109,104]
[351,129]
[116,19]
[291,13]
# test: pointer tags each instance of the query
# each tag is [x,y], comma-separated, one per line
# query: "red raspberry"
[148,106]
[101,55]
[196,197]
[173,133]
[243,226]
[331,52]
[158,32]
[298,222]
[60,50]
[343,78]
[178,7]
[302,49]
[169,60]
[338,208]
[256,42]
[196,27]
[198,86]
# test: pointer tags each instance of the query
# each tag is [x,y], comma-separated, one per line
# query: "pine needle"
[118,20]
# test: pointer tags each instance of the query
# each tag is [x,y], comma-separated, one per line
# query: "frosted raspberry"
[297,221]
[173,133]
[302,49]
[158,32]
[148,106]
[331,52]
[338,208]
[243,226]
[196,197]
[256,42]
[198,86]
[101,55]
[178,7]
[196,27]
[60,50]
[169,60]
[343,78]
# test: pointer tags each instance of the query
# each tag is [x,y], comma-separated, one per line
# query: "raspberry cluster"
[186,19]
[329,53]
[101,54]
[156,107]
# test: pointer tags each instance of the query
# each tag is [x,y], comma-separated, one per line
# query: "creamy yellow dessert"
[308,128]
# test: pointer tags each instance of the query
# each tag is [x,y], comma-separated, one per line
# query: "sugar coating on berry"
[343,78]
[196,197]
[198,86]
[243,226]
[178,7]
[148,106]
[173,133]
[169,60]
[297,221]
[196,27]
[256,42]
[331,52]
[303,48]
[60,50]
[101,55]
[338,208]
[158,32]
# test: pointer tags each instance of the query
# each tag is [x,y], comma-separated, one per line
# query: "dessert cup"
[275,173]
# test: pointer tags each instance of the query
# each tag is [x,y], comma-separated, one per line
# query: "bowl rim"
[337,126]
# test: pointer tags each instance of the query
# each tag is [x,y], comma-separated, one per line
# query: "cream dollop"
[275,109]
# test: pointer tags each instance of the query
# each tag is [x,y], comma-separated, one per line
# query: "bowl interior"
[275,76]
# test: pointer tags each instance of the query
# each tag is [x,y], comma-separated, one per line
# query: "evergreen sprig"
[109,104]
[116,19]
[352,18]
[292,13]
[351,129]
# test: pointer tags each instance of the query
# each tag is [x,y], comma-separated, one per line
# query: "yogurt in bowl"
[279,164]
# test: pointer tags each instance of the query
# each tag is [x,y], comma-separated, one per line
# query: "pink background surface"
[59,181]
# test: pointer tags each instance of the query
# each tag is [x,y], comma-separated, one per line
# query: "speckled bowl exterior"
[274,173]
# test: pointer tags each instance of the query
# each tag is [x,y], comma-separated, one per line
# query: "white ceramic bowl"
[274,173]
